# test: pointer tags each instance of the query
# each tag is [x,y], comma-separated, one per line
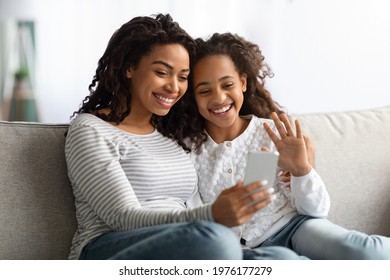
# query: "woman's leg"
[321,239]
[190,240]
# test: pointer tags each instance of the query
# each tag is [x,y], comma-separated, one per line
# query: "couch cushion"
[353,159]
[37,215]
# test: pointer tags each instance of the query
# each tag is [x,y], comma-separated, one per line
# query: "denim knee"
[216,241]
[361,246]
[272,253]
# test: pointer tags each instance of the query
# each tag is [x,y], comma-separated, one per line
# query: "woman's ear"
[243,82]
[129,73]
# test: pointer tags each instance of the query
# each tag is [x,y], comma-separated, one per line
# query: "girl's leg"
[271,253]
[321,239]
[190,240]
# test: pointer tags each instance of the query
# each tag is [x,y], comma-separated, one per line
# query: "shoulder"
[85,119]
[88,125]
[256,123]
[259,121]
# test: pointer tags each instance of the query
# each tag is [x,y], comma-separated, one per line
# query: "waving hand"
[291,146]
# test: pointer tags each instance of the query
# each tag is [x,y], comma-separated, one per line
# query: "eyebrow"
[168,65]
[207,83]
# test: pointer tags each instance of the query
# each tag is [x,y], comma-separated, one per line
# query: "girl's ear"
[243,82]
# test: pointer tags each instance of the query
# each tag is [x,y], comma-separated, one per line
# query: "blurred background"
[326,55]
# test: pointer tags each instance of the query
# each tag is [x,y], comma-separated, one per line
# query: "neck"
[229,133]
[137,124]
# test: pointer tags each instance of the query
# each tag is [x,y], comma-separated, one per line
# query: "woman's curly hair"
[248,60]
[132,41]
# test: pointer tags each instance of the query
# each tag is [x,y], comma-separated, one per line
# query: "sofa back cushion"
[37,214]
[353,159]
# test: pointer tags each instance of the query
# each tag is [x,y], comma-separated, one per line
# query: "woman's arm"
[100,183]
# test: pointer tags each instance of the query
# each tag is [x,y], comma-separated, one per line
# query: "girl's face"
[160,80]
[218,90]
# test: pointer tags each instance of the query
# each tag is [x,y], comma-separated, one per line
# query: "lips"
[221,109]
[165,99]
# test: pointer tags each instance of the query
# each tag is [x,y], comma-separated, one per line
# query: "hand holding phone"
[261,166]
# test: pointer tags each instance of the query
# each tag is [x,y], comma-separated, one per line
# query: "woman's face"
[160,79]
[218,90]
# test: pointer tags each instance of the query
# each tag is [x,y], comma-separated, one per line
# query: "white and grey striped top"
[122,181]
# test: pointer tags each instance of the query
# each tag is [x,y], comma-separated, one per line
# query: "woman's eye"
[161,73]
[229,85]
[183,78]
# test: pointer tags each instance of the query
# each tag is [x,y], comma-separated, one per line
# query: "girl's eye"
[204,91]
[229,85]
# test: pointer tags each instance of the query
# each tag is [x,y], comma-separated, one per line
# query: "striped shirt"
[122,181]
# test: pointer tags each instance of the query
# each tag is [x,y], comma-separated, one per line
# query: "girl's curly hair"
[248,60]
[132,41]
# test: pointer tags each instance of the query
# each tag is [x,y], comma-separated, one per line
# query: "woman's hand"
[236,205]
[293,156]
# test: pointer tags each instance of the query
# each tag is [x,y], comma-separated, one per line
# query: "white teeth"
[222,110]
[166,100]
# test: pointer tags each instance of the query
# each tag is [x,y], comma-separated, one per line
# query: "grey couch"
[37,215]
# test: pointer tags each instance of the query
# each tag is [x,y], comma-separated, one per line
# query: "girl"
[135,190]
[227,114]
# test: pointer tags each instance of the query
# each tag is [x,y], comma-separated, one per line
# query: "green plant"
[21,73]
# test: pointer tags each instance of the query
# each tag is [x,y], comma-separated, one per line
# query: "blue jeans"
[180,241]
[318,238]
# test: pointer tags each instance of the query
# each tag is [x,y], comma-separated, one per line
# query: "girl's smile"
[221,110]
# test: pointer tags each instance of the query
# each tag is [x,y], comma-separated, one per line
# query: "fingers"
[258,202]
[255,186]
[279,126]
[270,133]
[236,205]
[284,126]
[236,187]
[264,149]
[255,192]
[287,124]
[298,129]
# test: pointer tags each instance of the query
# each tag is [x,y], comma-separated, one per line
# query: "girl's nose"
[219,95]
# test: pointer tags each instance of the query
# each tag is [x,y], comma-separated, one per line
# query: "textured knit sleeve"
[101,184]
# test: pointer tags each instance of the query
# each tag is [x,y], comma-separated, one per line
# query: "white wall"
[326,55]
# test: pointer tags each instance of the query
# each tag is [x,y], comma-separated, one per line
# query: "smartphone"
[261,166]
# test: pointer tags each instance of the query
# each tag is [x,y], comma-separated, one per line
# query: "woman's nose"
[172,86]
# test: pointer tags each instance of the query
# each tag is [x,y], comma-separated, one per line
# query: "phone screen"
[261,166]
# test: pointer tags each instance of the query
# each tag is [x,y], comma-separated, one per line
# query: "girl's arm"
[309,193]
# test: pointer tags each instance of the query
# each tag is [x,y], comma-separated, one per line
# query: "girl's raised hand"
[291,146]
